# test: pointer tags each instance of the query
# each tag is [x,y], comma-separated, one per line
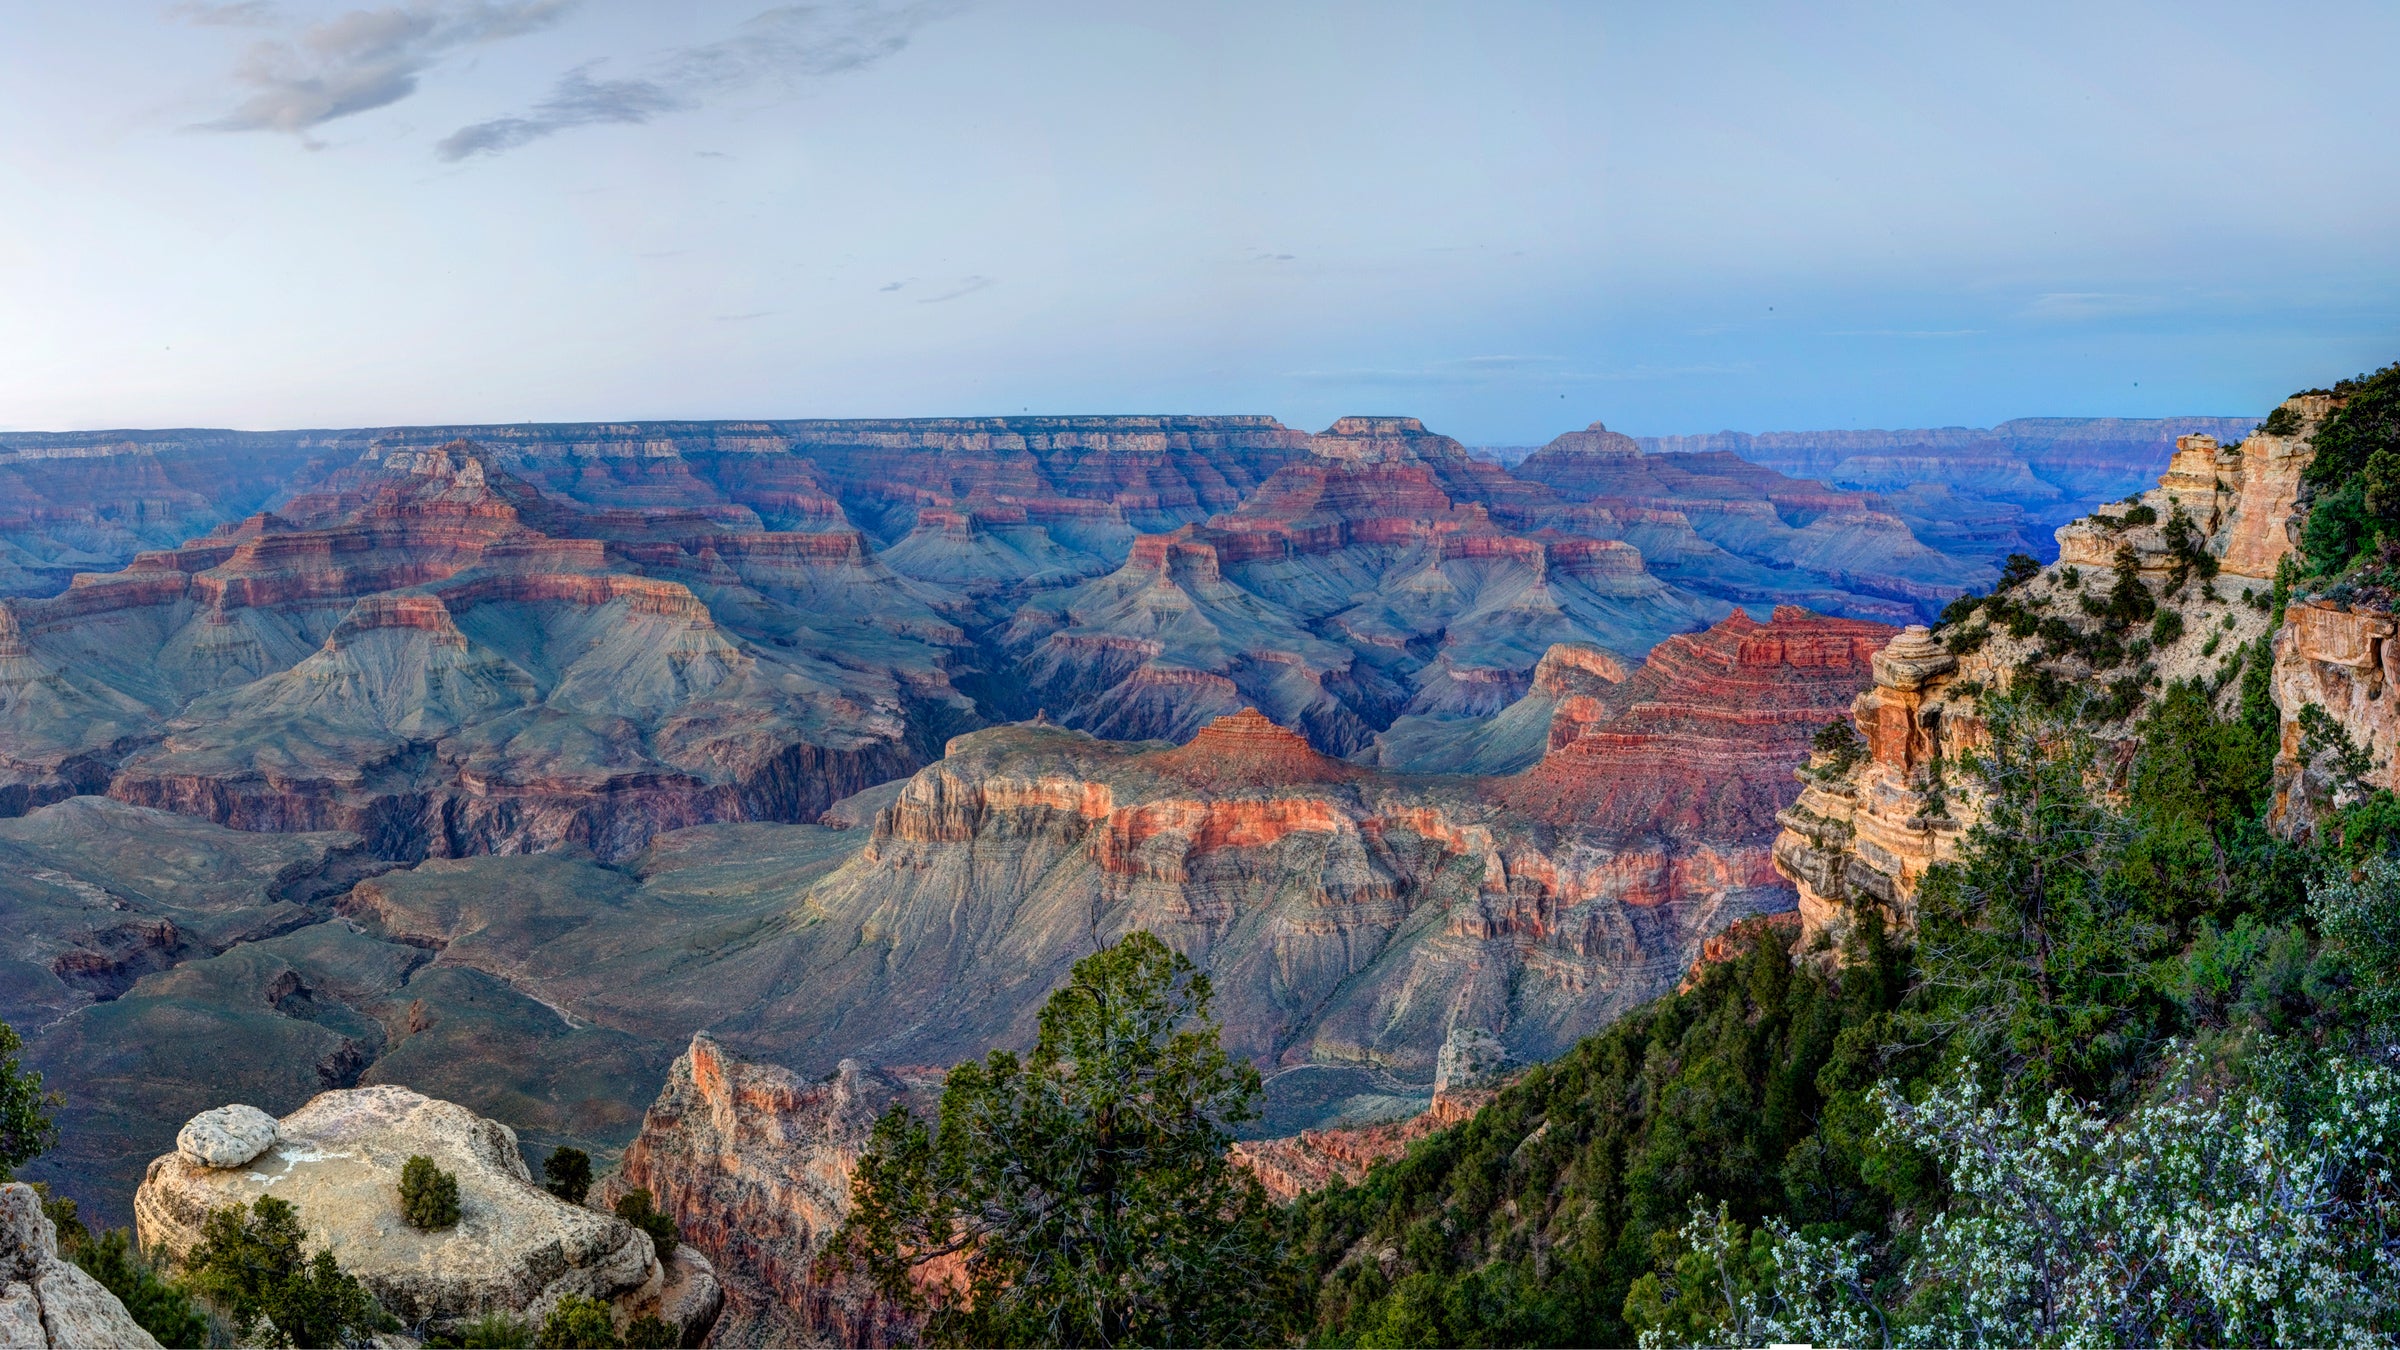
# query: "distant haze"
[1507,219]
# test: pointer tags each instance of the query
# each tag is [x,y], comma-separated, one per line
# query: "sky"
[1509,219]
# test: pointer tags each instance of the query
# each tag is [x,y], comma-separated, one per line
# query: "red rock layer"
[1704,736]
[1244,749]
[1314,1159]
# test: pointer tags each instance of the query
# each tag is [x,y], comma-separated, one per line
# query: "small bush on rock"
[579,1323]
[636,1208]
[428,1195]
[492,1331]
[163,1308]
[567,1174]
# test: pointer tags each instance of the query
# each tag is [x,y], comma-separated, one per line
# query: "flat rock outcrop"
[46,1300]
[515,1248]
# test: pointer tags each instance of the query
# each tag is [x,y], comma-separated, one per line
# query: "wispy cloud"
[965,286]
[358,60]
[243,14]
[782,47]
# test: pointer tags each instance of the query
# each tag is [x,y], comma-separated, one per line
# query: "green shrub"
[25,1128]
[579,1323]
[2166,628]
[636,1207]
[163,1307]
[2281,422]
[428,1195]
[250,1264]
[2018,569]
[650,1332]
[567,1174]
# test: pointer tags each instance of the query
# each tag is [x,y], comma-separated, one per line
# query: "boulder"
[226,1137]
[516,1248]
[46,1301]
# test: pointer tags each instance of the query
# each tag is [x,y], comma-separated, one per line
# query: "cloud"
[779,48]
[244,14]
[577,101]
[891,285]
[965,286]
[359,60]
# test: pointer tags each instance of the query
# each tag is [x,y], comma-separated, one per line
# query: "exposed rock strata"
[516,1249]
[1862,839]
[430,654]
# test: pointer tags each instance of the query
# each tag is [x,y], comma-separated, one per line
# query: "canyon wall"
[1861,836]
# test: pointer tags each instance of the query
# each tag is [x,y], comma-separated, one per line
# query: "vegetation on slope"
[2123,994]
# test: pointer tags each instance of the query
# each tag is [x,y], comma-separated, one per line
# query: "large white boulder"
[46,1301]
[226,1137]
[515,1248]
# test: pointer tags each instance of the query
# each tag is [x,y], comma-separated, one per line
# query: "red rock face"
[1702,740]
[754,1164]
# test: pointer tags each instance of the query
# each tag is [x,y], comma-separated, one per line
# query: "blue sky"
[1509,219]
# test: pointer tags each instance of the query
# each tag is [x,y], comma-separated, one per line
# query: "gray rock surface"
[227,1136]
[515,1249]
[44,1300]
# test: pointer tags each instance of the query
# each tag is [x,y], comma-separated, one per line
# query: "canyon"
[500,762]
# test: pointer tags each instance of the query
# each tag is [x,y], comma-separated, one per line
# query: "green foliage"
[2189,548]
[2018,569]
[2129,601]
[2281,422]
[163,1307]
[2359,914]
[25,1128]
[1839,742]
[250,1264]
[2367,421]
[2325,740]
[1086,1187]
[2029,955]
[567,1174]
[2339,528]
[1531,1223]
[637,1208]
[650,1332]
[428,1195]
[579,1323]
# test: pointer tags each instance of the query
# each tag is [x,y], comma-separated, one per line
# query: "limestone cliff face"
[1863,837]
[754,1163]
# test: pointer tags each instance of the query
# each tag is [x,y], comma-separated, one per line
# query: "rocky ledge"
[516,1249]
[47,1301]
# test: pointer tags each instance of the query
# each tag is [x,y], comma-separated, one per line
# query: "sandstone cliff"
[1862,837]
[754,1163]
